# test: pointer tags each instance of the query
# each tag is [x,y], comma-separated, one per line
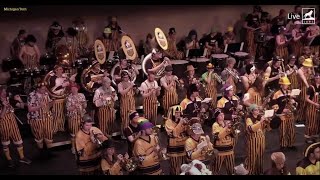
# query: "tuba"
[88,84]
[63,55]
[131,72]
[163,44]
[53,92]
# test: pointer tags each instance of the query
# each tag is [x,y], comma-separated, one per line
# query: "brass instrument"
[7,104]
[236,127]
[233,74]
[218,78]
[130,164]
[50,91]
[63,54]
[95,139]
[88,86]
[162,152]
[94,78]
[131,72]
[209,151]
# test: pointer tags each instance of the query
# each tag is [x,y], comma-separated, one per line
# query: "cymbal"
[100,51]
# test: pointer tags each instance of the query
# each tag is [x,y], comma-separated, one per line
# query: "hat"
[253,107]
[172,30]
[133,114]
[190,68]
[168,68]
[230,29]
[217,112]
[197,129]
[292,56]
[145,125]
[107,144]
[284,81]
[311,148]
[210,66]
[107,30]
[177,108]
[307,62]
[55,25]
[278,157]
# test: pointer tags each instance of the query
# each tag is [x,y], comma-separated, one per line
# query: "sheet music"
[295,92]
[269,113]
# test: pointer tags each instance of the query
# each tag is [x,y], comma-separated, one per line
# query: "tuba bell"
[62,52]
[52,91]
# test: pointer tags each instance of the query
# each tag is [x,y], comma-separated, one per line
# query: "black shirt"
[312,90]
[191,111]
[130,131]
[253,21]
[274,84]
[211,40]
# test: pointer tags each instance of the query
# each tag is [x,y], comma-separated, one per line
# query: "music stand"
[233,47]
[315,41]
[191,53]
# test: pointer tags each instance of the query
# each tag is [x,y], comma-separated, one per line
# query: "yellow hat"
[230,29]
[107,30]
[307,62]
[284,81]
[210,66]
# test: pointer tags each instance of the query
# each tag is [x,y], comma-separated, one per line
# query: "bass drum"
[275,123]
[133,75]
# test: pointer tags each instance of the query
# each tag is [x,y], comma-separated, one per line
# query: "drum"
[27,73]
[15,74]
[219,60]
[200,64]
[179,67]
[9,64]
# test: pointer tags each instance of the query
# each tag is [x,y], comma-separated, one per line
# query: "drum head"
[129,48]
[161,38]
[275,123]
[100,51]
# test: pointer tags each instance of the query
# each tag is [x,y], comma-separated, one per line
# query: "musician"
[147,46]
[211,80]
[172,51]
[105,38]
[255,94]
[281,46]
[17,44]
[124,66]
[304,76]
[251,24]
[115,35]
[310,164]
[211,43]
[223,142]
[82,35]
[55,34]
[273,73]
[57,84]
[191,105]
[191,78]
[292,72]
[150,91]
[88,140]
[278,166]
[306,53]
[176,129]
[104,99]
[249,77]
[71,42]
[228,77]
[198,145]
[9,130]
[40,116]
[169,83]
[298,37]
[154,64]
[313,31]
[30,53]
[279,21]
[255,141]
[76,108]
[249,60]
[146,148]
[95,83]
[127,92]
[313,103]
[281,103]
[229,103]
[192,40]
[111,163]
[132,132]
[229,36]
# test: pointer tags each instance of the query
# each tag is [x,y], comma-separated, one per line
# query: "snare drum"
[218,60]
[179,67]
[15,74]
[241,54]
[240,58]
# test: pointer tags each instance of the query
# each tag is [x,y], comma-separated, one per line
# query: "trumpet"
[130,164]
[209,151]
[94,78]
[233,74]
[236,127]
[95,138]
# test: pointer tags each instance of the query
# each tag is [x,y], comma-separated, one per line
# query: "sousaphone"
[130,51]
[100,51]
[162,42]
[55,92]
